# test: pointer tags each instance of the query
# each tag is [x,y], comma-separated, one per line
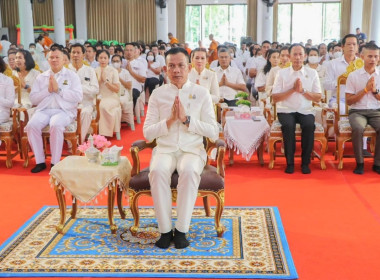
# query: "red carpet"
[331,218]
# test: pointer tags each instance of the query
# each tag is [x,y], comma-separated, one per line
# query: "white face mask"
[116,65]
[337,54]
[32,50]
[147,50]
[150,58]
[232,55]
[168,48]
[313,59]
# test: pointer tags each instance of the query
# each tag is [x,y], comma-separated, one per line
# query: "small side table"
[85,180]
[246,136]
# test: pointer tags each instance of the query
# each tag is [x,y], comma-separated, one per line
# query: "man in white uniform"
[90,86]
[179,115]
[90,56]
[56,92]
[294,90]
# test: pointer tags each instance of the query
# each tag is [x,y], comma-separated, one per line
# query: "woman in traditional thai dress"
[109,86]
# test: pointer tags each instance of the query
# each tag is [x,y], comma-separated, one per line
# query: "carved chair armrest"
[221,150]
[14,120]
[97,109]
[22,110]
[79,110]
[136,147]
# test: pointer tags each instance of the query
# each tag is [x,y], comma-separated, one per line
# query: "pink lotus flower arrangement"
[100,142]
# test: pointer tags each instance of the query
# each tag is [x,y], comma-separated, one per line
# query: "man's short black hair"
[370,46]
[349,36]
[284,49]
[3,65]
[177,50]
[29,61]
[116,55]
[297,45]
[92,47]
[77,45]
[131,44]
[265,42]
[56,47]
[99,52]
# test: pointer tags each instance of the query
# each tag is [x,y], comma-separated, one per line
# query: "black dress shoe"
[359,168]
[376,168]
[366,153]
[305,169]
[289,169]
[39,167]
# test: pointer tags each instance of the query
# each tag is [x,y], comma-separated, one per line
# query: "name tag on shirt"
[87,79]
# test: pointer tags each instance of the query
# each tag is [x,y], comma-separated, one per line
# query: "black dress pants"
[288,126]
[135,94]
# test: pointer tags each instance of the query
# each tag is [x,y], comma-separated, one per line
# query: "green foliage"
[244,102]
[242,94]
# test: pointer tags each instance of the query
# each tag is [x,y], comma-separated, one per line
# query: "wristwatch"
[377,91]
[26,87]
[303,91]
[187,121]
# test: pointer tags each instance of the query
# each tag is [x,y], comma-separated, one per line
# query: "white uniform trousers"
[189,167]
[85,120]
[58,120]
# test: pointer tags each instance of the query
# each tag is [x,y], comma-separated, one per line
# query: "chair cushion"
[210,180]
[6,126]
[345,127]
[276,127]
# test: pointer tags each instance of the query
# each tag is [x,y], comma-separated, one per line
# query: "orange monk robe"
[213,51]
[188,51]
[173,40]
[48,42]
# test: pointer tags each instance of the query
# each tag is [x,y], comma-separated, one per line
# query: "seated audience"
[202,76]
[90,87]
[109,86]
[57,93]
[294,90]
[91,56]
[363,95]
[153,74]
[7,93]
[230,78]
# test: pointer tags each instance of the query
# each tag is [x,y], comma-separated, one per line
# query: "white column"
[264,22]
[375,22]
[172,18]
[59,22]
[81,19]
[356,15]
[26,22]
[162,22]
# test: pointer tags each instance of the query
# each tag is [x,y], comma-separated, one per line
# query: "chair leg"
[340,144]
[206,205]
[271,151]
[8,149]
[74,143]
[119,195]
[218,212]
[74,208]
[133,202]
[260,152]
[25,151]
[323,142]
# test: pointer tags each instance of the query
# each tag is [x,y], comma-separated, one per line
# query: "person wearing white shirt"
[202,76]
[90,56]
[153,74]
[363,95]
[125,92]
[312,62]
[57,93]
[230,78]
[294,91]
[338,66]
[160,59]
[90,87]
[179,115]
[5,44]
[7,93]
[215,64]
[243,53]
[40,54]
[284,62]
[136,69]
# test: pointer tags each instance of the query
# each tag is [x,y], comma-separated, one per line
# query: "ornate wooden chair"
[342,126]
[212,183]
[95,118]
[71,134]
[276,136]
[8,134]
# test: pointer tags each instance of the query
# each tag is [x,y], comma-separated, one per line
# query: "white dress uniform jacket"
[7,97]
[207,79]
[198,105]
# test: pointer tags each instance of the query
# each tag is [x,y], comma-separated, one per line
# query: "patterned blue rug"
[253,246]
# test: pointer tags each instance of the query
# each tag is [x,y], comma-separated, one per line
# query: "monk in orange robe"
[172,39]
[213,49]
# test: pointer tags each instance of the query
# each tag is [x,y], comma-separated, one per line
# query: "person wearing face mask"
[313,63]
[125,92]
[90,87]
[337,51]
[152,74]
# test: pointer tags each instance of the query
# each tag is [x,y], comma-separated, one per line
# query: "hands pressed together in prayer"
[177,112]
[370,86]
[53,85]
[298,86]
[224,81]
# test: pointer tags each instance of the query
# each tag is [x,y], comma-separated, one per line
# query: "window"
[228,23]
[317,21]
